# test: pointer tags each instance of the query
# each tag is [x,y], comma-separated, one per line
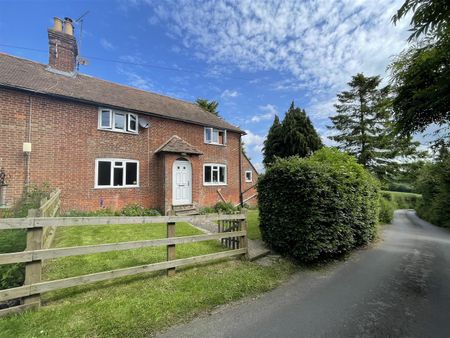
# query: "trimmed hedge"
[316,208]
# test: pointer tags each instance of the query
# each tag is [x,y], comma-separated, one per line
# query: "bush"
[434,185]
[135,209]
[207,210]
[316,208]
[96,213]
[31,199]
[386,211]
[402,200]
[225,208]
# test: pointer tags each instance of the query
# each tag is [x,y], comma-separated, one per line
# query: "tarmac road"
[400,287]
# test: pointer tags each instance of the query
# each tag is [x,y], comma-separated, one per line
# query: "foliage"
[430,17]
[209,106]
[132,209]
[295,136]
[225,208]
[135,209]
[32,199]
[207,210]
[402,200]
[273,144]
[12,275]
[316,208]
[365,127]
[434,185]
[420,74]
[386,211]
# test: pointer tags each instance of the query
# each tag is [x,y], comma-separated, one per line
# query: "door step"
[185,210]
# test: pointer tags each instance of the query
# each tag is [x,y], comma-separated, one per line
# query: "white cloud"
[269,111]
[227,93]
[317,44]
[107,44]
[253,142]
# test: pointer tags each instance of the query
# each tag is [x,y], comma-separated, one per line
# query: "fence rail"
[34,254]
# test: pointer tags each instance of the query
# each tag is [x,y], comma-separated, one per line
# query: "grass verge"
[139,305]
[253,224]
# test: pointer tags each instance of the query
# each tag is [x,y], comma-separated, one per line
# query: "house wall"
[249,188]
[65,143]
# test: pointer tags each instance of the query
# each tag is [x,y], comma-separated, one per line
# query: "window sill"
[248,181]
[117,187]
[119,131]
[214,184]
[216,144]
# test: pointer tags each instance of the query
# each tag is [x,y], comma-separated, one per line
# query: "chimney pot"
[57,24]
[68,26]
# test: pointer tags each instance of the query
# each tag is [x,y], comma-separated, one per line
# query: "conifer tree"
[273,143]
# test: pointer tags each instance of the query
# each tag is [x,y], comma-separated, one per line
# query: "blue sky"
[253,57]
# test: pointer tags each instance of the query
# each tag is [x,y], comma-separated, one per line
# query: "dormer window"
[215,136]
[109,119]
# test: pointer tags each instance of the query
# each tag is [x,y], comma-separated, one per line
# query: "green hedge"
[316,208]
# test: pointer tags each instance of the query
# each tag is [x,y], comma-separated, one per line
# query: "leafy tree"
[274,142]
[421,74]
[295,136]
[209,106]
[300,137]
[365,128]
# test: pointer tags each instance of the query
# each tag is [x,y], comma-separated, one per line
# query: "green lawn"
[253,224]
[139,305]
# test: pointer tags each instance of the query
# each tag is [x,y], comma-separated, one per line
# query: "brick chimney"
[63,48]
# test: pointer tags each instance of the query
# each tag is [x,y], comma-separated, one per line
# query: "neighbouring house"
[107,145]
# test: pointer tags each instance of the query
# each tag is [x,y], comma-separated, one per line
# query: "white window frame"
[112,121]
[249,180]
[212,165]
[124,165]
[215,131]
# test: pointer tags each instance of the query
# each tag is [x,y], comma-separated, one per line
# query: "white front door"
[182,183]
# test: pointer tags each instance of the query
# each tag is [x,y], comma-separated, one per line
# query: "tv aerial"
[81,60]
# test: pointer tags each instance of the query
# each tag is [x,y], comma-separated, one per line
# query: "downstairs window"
[214,174]
[116,173]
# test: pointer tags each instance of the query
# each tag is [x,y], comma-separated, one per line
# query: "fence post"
[171,255]
[243,240]
[33,270]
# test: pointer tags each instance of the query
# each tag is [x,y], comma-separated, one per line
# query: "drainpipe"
[241,195]
[28,139]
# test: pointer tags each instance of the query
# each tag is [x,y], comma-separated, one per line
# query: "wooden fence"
[35,254]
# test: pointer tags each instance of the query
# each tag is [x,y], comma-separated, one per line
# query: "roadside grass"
[253,224]
[141,305]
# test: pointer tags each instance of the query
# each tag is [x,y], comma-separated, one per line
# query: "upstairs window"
[214,174]
[116,173]
[215,136]
[248,176]
[109,119]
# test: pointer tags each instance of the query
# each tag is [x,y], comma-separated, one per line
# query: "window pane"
[118,177]
[208,135]
[248,176]
[104,173]
[215,136]
[222,174]
[119,121]
[106,119]
[208,174]
[132,125]
[131,174]
[215,175]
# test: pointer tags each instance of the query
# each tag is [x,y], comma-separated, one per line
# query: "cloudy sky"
[253,57]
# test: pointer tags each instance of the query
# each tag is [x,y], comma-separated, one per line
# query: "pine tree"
[273,143]
[209,106]
[300,137]
[294,136]
[366,128]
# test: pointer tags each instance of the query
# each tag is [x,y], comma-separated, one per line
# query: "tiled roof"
[177,145]
[32,76]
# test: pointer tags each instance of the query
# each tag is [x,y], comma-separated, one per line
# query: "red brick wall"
[249,186]
[66,142]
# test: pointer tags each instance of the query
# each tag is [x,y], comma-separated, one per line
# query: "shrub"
[225,208]
[96,213]
[207,210]
[386,211]
[316,208]
[402,200]
[135,209]
[31,199]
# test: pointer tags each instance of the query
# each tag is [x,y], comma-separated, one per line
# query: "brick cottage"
[107,145]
